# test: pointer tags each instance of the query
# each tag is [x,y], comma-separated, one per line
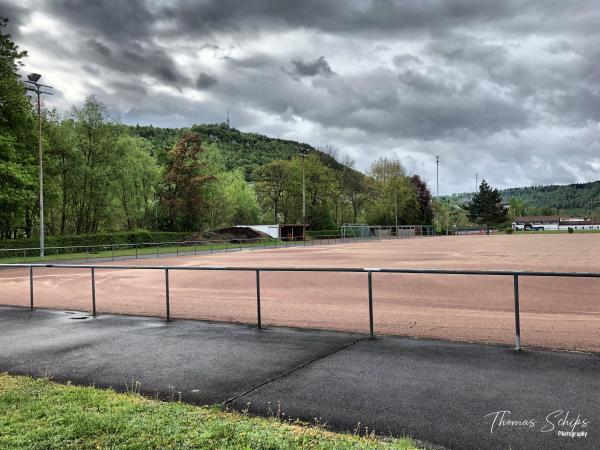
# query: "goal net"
[356,230]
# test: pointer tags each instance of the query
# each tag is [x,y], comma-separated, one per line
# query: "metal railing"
[258,270]
[154,249]
[142,250]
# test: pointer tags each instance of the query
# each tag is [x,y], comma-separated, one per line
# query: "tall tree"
[423,198]
[17,139]
[271,184]
[393,196]
[487,208]
[182,187]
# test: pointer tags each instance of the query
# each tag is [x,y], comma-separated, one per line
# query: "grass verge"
[40,414]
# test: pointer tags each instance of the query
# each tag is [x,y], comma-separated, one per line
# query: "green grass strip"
[40,414]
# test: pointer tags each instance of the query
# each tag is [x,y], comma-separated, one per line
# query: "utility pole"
[476,182]
[31,84]
[303,155]
[437,176]
[396,209]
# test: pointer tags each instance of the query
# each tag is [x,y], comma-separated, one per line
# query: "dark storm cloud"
[509,89]
[113,20]
[319,66]
[17,16]
[137,58]
[205,81]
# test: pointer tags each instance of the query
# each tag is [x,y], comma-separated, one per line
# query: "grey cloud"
[510,89]
[205,81]
[135,58]
[319,66]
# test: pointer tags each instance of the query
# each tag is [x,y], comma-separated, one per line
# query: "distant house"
[541,223]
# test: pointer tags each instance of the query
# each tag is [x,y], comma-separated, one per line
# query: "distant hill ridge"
[568,199]
[238,149]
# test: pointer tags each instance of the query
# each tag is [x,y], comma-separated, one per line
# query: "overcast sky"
[507,89]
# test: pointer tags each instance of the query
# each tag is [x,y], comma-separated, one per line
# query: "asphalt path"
[445,393]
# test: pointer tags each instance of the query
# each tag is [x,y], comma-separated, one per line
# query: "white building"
[542,223]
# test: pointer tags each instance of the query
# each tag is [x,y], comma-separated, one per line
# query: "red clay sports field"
[555,312]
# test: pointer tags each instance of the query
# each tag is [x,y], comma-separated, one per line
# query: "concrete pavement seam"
[295,369]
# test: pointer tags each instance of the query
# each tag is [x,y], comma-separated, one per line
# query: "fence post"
[30,287]
[226,245]
[93,292]
[157,250]
[177,248]
[517,314]
[258,316]
[136,251]
[167,294]
[112,252]
[371,305]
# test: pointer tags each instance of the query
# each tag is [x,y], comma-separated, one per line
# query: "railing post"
[517,314]
[30,287]
[371,331]
[168,305]
[258,316]
[93,292]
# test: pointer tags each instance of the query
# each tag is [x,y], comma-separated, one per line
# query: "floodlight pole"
[396,209]
[33,86]
[303,154]
[437,176]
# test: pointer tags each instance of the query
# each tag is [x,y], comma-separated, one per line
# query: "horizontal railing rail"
[145,249]
[368,270]
[149,249]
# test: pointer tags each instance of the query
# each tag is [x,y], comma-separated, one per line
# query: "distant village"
[543,223]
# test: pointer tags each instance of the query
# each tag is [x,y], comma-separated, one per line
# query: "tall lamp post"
[437,176]
[303,155]
[31,84]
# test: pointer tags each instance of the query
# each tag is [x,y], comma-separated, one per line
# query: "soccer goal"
[356,230]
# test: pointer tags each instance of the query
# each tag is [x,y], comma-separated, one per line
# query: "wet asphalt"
[445,393]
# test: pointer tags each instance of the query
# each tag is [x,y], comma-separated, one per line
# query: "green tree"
[393,196]
[487,207]
[136,178]
[240,202]
[17,141]
[517,207]
[271,185]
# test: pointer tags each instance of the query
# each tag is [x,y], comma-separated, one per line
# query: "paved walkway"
[440,392]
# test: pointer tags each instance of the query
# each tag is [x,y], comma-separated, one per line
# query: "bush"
[508,230]
[121,237]
[570,230]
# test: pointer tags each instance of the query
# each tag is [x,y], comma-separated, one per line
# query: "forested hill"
[567,199]
[570,198]
[237,149]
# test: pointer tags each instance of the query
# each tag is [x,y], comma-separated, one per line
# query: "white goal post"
[356,230]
